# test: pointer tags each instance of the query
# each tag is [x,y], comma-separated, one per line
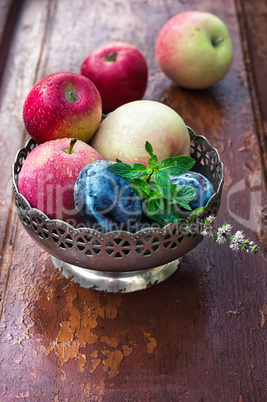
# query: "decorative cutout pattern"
[119,251]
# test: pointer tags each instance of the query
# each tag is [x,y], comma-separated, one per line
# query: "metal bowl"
[119,261]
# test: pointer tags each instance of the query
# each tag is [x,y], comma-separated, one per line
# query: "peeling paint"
[77,332]
[85,308]
[95,362]
[81,312]
[127,350]
[113,360]
[113,342]
[90,392]
[82,361]
[151,341]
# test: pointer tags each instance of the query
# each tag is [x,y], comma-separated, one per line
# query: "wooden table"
[201,334]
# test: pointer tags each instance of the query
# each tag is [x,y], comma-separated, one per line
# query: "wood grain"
[253,24]
[21,69]
[9,12]
[200,335]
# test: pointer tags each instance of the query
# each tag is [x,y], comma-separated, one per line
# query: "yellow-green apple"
[194,49]
[62,105]
[49,173]
[124,132]
[119,71]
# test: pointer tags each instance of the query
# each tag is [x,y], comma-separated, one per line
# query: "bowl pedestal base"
[116,282]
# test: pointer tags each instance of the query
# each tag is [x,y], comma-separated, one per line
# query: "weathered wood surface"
[199,336]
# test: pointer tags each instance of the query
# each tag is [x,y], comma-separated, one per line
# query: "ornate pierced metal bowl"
[119,261]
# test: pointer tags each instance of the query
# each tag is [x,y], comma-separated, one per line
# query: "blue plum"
[105,200]
[202,185]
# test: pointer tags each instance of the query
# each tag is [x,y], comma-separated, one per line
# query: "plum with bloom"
[105,200]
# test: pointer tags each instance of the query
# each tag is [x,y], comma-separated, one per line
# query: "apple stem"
[72,143]
[216,42]
[111,57]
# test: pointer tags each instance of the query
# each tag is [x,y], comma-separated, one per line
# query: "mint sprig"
[161,198]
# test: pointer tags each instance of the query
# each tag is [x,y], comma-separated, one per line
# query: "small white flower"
[235,246]
[237,240]
[239,236]
[224,230]
[221,239]
[228,228]
[207,232]
[210,219]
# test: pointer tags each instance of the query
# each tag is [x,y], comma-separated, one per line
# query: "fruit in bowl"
[62,105]
[49,173]
[105,200]
[119,71]
[124,132]
[194,49]
[120,261]
[118,196]
[204,188]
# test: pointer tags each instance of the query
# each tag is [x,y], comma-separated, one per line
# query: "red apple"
[62,105]
[49,173]
[119,71]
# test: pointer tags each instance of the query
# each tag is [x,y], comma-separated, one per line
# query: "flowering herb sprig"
[237,241]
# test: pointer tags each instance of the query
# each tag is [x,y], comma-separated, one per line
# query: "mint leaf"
[184,204]
[168,162]
[126,170]
[154,212]
[177,164]
[187,193]
[149,148]
[141,187]
[153,160]
[120,168]
[139,167]
[183,195]
[164,183]
[154,188]
[165,215]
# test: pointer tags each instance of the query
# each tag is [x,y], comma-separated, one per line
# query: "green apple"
[194,49]
[124,132]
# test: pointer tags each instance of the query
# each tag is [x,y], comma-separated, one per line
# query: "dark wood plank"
[9,12]
[4,8]
[253,30]
[199,335]
[253,26]
[19,75]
